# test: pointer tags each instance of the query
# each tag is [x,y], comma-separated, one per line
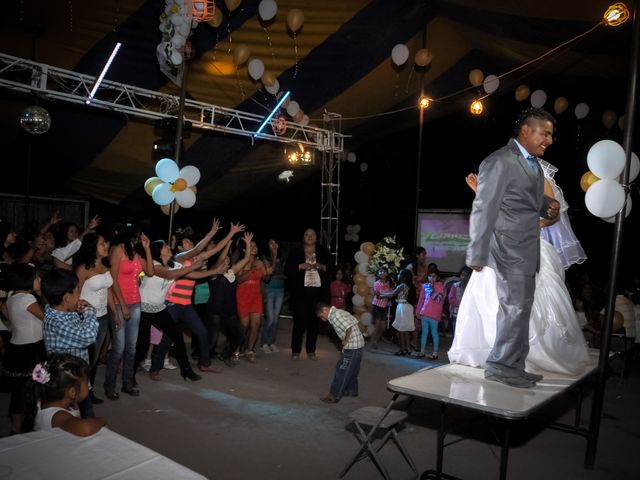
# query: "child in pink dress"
[429,310]
[380,305]
[339,291]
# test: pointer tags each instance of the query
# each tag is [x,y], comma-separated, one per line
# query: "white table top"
[55,454]
[466,386]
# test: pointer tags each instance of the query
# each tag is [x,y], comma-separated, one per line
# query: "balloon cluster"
[176,26]
[173,183]
[400,54]
[352,233]
[604,196]
[362,288]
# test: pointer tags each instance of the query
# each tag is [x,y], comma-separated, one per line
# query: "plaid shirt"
[341,321]
[69,332]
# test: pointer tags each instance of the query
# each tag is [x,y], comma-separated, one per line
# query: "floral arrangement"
[40,374]
[386,253]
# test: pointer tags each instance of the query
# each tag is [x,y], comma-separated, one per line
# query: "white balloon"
[371,279]
[634,168]
[167,170]
[604,198]
[366,318]
[293,108]
[399,54]
[162,194]
[191,174]
[176,57]
[351,157]
[627,211]
[267,9]
[356,238]
[305,120]
[256,68]
[357,228]
[538,98]
[347,237]
[178,40]
[606,159]
[361,257]
[350,228]
[186,198]
[491,83]
[361,267]
[581,110]
[364,167]
[273,89]
[177,20]
[355,289]
[185,29]
[358,300]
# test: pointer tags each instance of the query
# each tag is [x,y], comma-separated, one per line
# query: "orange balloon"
[241,54]
[368,299]
[368,248]
[560,105]
[476,77]
[587,180]
[295,19]
[179,185]
[216,21]
[609,119]
[522,93]
[363,289]
[423,57]
[359,309]
[268,78]
[232,4]
[194,189]
[166,208]
[298,116]
[359,279]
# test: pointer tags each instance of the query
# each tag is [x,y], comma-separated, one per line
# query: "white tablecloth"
[56,454]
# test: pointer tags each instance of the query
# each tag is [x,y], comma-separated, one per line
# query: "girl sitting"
[59,384]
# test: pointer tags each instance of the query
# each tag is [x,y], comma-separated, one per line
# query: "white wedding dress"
[556,341]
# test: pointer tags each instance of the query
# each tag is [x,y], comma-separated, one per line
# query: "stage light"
[299,157]
[266,120]
[424,102]
[103,73]
[616,14]
[203,10]
[476,107]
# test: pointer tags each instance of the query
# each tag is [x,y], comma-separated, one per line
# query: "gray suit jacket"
[504,225]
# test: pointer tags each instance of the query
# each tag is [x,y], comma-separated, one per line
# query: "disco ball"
[35,120]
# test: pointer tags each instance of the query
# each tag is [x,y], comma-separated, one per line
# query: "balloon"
[356,228]
[399,54]
[286,101]
[366,318]
[298,116]
[216,21]
[491,83]
[295,19]
[293,108]
[232,4]
[178,40]
[581,110]
[162,194]
[240,54]
[587,180]
[364,167]
[355,237]
[522,93]
[186,198]
[355,289]
[267,9]
[167,170]
[179,185]
[538,98]
[634,168]
[176,58]
[371,279]
[362,268]
[560,105]
[622,122]
[191,174]
[423,57]
[627,211]
[359,279]
[177,20]
[151,183]
[361,257]
[273,89]
[305,120]
[604,198]
[359,309]
[268,78]
[368,299]
[606,159]
[358,300]
[363,289]
[609,119]
[476,77]
[370,329]
[368,248]
[166,209]
[256,68]
[351,157]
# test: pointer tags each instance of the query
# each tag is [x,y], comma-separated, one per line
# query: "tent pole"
[178,140]
[420,132]
[598,396]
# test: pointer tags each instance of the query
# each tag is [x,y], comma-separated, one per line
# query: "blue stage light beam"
[103,73]
[284,97]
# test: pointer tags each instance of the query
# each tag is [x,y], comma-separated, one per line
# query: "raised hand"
[472,181]
[215,227]
[248,236]
[236,228]
[55,218]
[95,221]
[144,240]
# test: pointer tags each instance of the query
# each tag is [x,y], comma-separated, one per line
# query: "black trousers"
[171,333]
[303,305]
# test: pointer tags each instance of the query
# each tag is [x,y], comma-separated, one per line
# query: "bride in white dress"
[556,341]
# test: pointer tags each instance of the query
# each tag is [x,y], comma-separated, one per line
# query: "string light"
[616,14]
[476,107]
[424,102]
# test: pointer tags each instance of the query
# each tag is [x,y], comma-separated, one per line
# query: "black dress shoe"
[189,374]
[131,390]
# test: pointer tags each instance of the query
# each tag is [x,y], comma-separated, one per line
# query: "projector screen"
[445,236]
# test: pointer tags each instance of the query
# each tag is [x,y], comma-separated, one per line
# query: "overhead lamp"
[299,157]
[616,14]
[476,107]
[424,102]
[203,10]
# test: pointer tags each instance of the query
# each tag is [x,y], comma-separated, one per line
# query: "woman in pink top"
[126,266]
[429,310]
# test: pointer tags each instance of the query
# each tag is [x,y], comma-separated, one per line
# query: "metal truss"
[54,83]
[330,189]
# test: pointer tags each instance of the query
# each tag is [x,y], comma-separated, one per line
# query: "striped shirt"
[381,287]
[341,321]
[181,291]
[69,332]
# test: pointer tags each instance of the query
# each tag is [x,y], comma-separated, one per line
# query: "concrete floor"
[265,421]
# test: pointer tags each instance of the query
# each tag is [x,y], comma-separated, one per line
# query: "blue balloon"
[167,170]
[162,194]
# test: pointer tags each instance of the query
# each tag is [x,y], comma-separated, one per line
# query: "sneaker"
[251,356]
[265,348]
[168,364]
[274,348]
[146,365]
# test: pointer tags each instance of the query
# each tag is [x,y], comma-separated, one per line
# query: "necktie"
[532,163]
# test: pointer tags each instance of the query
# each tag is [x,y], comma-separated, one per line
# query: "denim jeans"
[187,314]
[123,346]
[429,324]
[273,304]
[345,380]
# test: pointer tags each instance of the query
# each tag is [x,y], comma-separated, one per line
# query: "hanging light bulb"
[424,102]
[616,14]
[476,107]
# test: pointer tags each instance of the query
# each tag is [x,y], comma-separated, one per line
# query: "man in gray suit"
[505,235]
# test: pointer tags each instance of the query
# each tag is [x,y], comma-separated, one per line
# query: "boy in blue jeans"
[345,380]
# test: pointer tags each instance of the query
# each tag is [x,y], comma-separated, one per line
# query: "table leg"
[504,453]
[442,433]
